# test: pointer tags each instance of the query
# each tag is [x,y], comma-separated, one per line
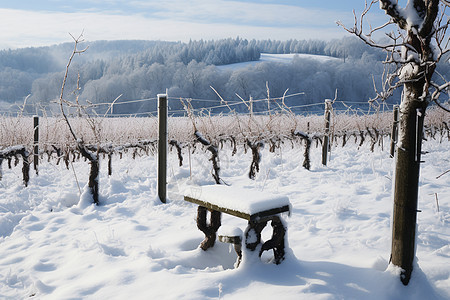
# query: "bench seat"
[248,204]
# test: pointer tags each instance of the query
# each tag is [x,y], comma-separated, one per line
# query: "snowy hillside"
[54,246]
[281,58]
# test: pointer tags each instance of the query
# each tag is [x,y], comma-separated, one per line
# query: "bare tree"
[91,156]
[417,41]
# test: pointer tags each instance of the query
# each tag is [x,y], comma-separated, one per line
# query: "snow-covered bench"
[254,206]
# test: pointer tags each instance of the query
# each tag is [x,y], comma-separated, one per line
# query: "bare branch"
[78,40]
[437,93]
[61,99]
[437,177]
[248,106]
[221,99]
[441,34]
[22,108]
[409,46]
[357,30]
[441,106]
[110,107]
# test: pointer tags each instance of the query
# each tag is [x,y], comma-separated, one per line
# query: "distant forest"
[143,69]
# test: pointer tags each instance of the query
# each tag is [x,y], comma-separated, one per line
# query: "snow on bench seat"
[246,203]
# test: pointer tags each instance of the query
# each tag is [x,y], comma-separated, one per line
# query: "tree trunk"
[423,43]
[412,112]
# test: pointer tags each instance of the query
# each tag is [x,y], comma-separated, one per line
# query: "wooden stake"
[437,201]
[394,132]
[162,147]
[326,142]
[36,143]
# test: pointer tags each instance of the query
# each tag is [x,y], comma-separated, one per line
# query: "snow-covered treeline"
[142,69]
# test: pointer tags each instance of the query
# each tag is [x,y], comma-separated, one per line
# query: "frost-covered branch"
[437,93]
[410,47]
[91,156]
[366,37]
[61,101]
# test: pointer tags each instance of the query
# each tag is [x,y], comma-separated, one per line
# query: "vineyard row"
[68,153]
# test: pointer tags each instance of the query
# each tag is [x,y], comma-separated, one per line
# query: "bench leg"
[253,234]
[236,240]
[277,241]
[210,229]
[238,249]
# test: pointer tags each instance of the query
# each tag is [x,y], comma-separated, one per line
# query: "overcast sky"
[26,23]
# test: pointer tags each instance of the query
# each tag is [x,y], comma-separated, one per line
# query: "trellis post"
[394,133]
[326,137]
[162,147]
[36,143]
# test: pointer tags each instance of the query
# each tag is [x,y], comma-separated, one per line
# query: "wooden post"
[36,143]
[162,147]
[326,142]
[394,133]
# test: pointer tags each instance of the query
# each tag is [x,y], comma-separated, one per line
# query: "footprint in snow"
[44,267]
[112,251]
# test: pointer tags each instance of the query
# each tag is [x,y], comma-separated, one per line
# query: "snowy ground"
[53,247]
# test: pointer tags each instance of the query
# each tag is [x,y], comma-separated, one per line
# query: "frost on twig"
[91,156]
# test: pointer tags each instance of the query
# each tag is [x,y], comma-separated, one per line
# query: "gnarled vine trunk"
[94,171]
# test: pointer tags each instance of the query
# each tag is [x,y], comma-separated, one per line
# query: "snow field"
[279,58]
[55,246]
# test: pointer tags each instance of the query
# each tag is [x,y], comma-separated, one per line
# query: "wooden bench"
[256,207]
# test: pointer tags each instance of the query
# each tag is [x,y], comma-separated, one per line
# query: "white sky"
[34,23]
